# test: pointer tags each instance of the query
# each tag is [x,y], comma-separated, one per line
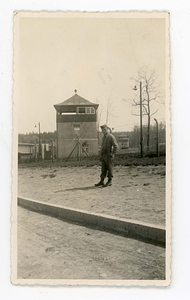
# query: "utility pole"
[78,149]
[52,149]
[39,141]
[30,153]
[141,136]
[157,153]
[35,152]
[57,135]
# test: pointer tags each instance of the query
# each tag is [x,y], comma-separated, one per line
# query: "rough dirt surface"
[138,192]
[49,248]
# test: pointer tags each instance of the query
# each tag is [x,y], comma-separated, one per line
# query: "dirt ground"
[49,248]
[138,192]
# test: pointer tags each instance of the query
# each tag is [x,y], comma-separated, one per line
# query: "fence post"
[52,149]
[157,153]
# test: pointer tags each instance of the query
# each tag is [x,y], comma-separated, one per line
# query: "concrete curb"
[130,228]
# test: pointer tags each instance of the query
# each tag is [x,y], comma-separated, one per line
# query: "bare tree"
[99,115]
[107,111]
[150,94]
[110,110]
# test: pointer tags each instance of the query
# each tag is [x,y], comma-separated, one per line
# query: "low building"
[47,151]
[26,151]
[123,141]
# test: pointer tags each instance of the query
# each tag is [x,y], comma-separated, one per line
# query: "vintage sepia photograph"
[91,149]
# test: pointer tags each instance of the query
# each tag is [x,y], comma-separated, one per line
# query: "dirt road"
[49,248]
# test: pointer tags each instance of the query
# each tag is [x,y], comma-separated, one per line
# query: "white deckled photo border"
[26,14]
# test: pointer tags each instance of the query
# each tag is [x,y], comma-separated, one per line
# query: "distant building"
[47,151]
[26,151]
[123,141]
[76,120]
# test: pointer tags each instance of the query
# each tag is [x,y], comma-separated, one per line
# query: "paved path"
[49,248]
[137,193]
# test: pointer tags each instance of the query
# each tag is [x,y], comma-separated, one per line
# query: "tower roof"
[75,100]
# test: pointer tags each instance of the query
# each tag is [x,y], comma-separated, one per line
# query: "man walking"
[108,150]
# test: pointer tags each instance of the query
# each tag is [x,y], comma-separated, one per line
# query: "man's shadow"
[86,188]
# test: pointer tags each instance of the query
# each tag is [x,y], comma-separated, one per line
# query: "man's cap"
[103,126]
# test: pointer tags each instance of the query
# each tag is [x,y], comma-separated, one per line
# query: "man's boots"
[108,183]
[101,182]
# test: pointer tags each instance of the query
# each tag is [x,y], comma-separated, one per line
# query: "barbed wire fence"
[127,136]
[129,140]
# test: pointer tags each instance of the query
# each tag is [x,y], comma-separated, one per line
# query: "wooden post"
[141,137]
[78,148]
[35,152]
[71,152]
[52,149]
[57,134]
[39,148]
[157,150]
[84,150]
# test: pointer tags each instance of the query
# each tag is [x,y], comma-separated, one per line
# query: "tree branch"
[153,113]
[135,103]
[138,115]
[152,99]
[145,109]
[135,115]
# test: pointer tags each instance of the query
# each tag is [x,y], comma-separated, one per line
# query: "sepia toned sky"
[96,56]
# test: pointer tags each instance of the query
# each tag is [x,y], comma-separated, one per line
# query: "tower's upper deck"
[71,104]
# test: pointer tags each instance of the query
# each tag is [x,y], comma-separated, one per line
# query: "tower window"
[81,110]
[88,110]
[85,110]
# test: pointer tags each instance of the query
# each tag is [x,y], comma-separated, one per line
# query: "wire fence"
[153,141]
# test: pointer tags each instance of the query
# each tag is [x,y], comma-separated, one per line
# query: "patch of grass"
[52,175]
[122,160]
[46,175]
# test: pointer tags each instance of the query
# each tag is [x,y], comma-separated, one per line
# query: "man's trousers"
[107,168]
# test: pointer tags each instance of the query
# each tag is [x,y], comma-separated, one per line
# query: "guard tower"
[76,121]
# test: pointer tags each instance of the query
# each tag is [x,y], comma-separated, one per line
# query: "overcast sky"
[96,56]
